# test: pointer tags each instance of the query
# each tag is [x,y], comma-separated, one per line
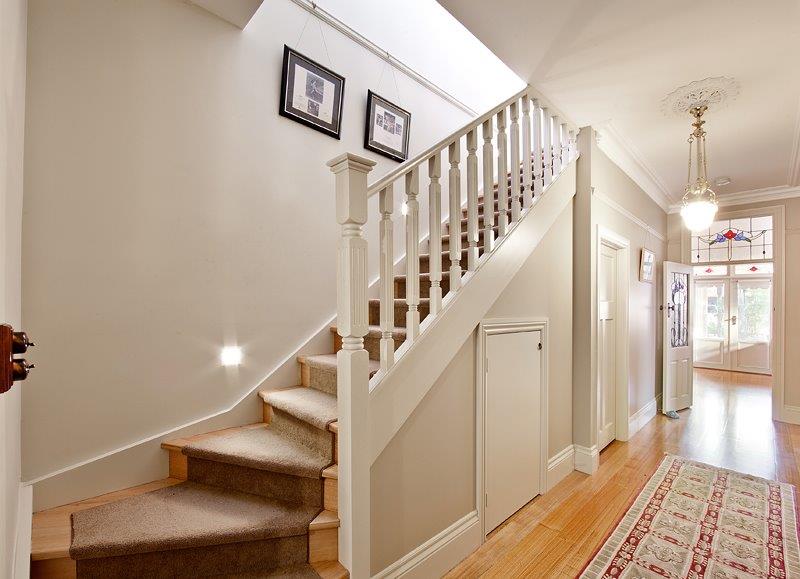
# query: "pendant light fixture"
[699,200]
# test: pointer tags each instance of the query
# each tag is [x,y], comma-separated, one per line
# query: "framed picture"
[647,266]
[311,94]
[387,128]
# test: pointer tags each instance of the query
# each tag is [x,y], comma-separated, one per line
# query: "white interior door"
[607,344]
[512,424]
[711,319]
[678,339]
[751,326]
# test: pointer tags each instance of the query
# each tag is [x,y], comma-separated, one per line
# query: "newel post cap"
[351,161]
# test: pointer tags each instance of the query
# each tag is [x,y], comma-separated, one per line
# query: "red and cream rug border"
[619,548]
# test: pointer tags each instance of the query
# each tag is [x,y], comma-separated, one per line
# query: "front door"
[678,341]
[711,323]
[751,317]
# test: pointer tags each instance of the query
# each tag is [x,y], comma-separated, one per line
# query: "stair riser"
[301,431]
[481,237]
[245,557]
[482,208]
[400,309]
[285,487]
[424,263]
[424,283]
[464,222]
[323,379]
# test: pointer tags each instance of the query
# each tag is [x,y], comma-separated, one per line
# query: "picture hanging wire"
[388,63]
[321,34]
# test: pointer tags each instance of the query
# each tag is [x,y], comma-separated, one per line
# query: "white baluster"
[527,180]
[435,229]
[556,137]
[547,146]
[472,200]
[352,362]
[386,203]
[412,255]
[538,173]
[564,146]
[488,187]
[502,174]
[515,166]
[573,148]
[454,227]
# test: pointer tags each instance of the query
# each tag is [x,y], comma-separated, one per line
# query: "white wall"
[424,480]
[608,198]
[429,39]
[13,15]
[170,210]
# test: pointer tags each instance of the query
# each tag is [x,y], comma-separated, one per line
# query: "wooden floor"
[556,534]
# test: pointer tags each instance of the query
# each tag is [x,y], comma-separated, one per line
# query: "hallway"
[729,426]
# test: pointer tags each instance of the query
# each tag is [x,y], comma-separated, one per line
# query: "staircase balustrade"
[534,150]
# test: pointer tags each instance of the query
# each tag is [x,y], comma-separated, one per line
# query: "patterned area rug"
[697,521]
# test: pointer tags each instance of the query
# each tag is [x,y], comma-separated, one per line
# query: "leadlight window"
[743,239]
[752,268]
[710,270]
[679,308]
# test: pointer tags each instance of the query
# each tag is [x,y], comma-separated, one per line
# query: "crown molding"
[751,196]
[794,159]
[625,155]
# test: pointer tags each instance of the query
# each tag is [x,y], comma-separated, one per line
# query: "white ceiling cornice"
[613,144]
[752,196]
[794,159]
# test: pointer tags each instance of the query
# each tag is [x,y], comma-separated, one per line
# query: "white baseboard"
[440,553]
[642,417]
[587,459]
[22,544]
[790,414]
[559,466]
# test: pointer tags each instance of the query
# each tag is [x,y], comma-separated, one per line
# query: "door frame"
[780,410]
[622,245]
[486,328]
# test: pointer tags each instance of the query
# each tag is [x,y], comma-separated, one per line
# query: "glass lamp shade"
[698,215]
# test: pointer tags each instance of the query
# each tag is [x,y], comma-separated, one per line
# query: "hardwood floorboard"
[729,426]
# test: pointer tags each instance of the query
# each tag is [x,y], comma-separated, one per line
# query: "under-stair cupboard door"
[512,431]
[678,340]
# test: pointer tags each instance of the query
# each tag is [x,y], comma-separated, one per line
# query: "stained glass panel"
[679,308]
[743,239]
[752,269]
[710,270]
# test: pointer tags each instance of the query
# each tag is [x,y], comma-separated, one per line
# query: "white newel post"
[454,228]
[435,229]
[386,206]
[412,255]
[527,179]
[537,150]
[352,324]
[488,187]
[472,200]
[502,175]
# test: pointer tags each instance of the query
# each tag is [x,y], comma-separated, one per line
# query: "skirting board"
[642,416]
[559,466]
[790,414]
[440,553]
[22,544]
[587,459]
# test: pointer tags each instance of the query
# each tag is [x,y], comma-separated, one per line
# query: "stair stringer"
[394,395]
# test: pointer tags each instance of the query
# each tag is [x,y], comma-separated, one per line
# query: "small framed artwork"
[311,94]
[387,128]
[647,266]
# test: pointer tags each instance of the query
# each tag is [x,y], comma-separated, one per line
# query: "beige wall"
[171,211]
[599,179]
[424,480]
[13,14]
[791,281]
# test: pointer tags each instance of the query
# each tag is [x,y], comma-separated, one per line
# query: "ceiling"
[610,64]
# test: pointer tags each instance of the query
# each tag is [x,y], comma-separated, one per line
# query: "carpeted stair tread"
[260,448]
[307,404]
[183,516]
[328,361]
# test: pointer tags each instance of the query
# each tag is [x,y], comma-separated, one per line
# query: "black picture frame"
[318,100]
[381,142]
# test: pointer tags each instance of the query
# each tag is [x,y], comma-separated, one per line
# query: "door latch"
[13,369]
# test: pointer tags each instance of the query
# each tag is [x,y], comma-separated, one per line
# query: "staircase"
[263,500]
